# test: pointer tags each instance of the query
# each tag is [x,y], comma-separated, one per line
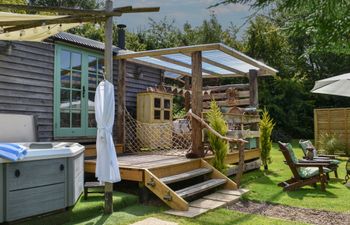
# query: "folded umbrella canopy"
[338,85]
[107,169]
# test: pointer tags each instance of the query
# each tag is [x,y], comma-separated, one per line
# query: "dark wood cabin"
[33,76]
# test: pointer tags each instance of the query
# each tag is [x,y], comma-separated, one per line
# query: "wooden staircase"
[191,188]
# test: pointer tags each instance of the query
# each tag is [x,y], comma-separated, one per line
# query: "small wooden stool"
[88,185]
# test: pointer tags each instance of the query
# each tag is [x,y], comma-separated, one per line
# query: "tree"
[326,23]
[266,126]
[220,147]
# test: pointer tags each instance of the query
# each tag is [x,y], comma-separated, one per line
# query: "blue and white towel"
[12,151]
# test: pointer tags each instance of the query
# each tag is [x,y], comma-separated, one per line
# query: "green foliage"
[328,27]
[330,143]
[266,126]
[220,147]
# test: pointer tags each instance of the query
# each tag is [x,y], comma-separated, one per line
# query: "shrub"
[220,147]
[266,126]
[330,143]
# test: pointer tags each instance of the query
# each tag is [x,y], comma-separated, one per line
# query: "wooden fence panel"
[332,120]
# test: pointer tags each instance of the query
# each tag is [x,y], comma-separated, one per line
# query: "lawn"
[262,186]
[127,210]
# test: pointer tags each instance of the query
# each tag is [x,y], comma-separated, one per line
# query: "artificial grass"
[263,186]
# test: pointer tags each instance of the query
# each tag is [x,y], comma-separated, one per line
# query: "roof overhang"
[218,60]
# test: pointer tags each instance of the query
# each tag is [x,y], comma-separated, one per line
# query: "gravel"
[311,216]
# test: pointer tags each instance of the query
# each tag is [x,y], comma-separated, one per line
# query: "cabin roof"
[81,41]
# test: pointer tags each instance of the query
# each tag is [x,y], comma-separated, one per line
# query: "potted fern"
[266,126]
[220,147]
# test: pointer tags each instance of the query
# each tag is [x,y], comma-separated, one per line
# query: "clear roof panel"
[186,59]
[227,60]
[159,62]
[171,75]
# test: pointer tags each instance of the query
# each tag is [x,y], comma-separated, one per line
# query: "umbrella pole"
[108,59]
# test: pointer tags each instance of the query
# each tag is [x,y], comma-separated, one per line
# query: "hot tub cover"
[107,169]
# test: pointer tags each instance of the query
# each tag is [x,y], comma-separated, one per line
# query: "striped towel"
[12,151]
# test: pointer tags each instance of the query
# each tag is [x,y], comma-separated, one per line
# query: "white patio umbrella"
[107,169]
[338,85]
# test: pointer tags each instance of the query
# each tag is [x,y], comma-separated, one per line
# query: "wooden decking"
[132,166]
[197,177]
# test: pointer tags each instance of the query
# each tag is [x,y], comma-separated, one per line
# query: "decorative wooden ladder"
[208,186]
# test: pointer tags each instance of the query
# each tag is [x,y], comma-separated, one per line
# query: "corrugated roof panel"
[227,60]
[186,59]
[82,41]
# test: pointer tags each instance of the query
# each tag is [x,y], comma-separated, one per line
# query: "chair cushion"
[307,172]
[307,144]
[291,153]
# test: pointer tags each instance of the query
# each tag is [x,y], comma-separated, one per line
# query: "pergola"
[195,62]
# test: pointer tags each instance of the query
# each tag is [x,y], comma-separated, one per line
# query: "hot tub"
[48,178]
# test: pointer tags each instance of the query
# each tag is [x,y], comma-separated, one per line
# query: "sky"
[192,11]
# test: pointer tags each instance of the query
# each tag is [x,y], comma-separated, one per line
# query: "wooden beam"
[222,66]
[197,100]
[53,21]
[187,94]
[166,51]
[253,88]
[142,10]
[247,59]
[121,102]
[108,62]
[62,19]
[60,10]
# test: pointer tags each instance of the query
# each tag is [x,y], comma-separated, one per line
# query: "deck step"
[220,198]
[200,187]
[186,175]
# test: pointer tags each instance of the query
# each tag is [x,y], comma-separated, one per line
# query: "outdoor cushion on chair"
[308,144]
[304,172]
[307,172]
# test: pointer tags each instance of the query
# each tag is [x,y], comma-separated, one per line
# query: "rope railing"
[205,124]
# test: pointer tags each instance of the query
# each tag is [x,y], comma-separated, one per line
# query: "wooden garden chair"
[304,173]
[307,144]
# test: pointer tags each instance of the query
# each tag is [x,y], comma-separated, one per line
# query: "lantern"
[347,167]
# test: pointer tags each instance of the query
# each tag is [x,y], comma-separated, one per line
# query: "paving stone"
[237,192]
[207,203]
[222,197]
[192,212]
[154,221]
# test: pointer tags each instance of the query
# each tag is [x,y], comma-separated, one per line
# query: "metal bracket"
[151,183]
[168,197]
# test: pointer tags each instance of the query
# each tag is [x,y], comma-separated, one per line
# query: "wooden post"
[187,94]
[240,163]
[197,101]
[253,88]
[121,102]
[108,58]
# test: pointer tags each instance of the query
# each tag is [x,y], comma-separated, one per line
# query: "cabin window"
[77,75]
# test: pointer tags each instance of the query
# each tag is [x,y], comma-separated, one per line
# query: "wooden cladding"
[230,96]
[332,121]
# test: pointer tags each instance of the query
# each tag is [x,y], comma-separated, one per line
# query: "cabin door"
[77,74]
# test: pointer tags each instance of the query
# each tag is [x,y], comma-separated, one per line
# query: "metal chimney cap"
[121,26]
